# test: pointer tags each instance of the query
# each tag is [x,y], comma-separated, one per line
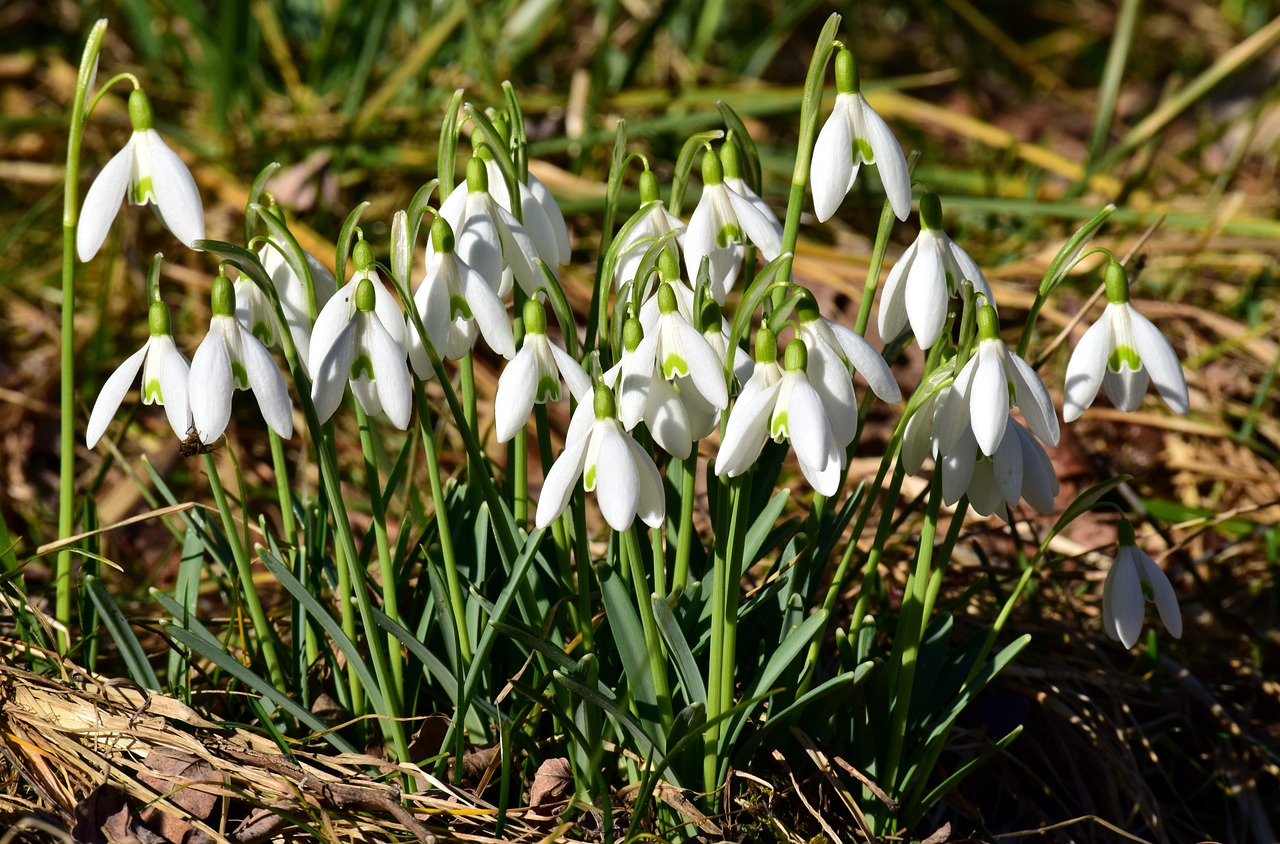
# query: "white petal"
[667,419]
[489,313]
[984,493]
[926,294]
[1085,369]
[102,203]
[810,434]
[706,369]
[889,160]
[517,389]
[1039,481]
[831,170]
[577,379]
[1033,400]
[867,362]
[651,505]
[1163,595]
[1127,602]
[112,393]
[748,428]
[917,439]
[560,479]
[177,197]
[636,373]
[828,375]
[700,236]
[892,317]
[267,384]
[331,369]
[390,375]
[539,227]
[958,468]
[387,308]
[988,399]
[478,244]
[952,421]
[175,372]
[330,325]
[762,229]
[210,387]
[617,481]
[1162,362]
[518,250]
[1127,387]
[1007,468]
[969,270]
[551,208]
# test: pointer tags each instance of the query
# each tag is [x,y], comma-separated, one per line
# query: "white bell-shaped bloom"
[1133,580]
[164,380]
[230,358]
[782,406]
[722,222]
[145,171]
[533,376]
[455,304]
[1123,353]
[922,283]
[651,222]
[1019,469]
[487,237]
[994,380]
[543,219]
[254,310]
[613,465]
[355,341]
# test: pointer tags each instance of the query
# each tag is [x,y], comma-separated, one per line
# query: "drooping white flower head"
[1123,353]
[613,465]
[533,376]
[992,382]
[1133,580]
[543,219]
[835,354]
[487,238]
[921,285]
[651,222]
[1019,469]
[145,171]
[852,136]
[254,310]
[230,358]
[782,405]
[722,222]
[164,379]
[355,341]
[455,304]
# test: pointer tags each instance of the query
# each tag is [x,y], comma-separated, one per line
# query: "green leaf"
[760,528]
[345,236]
[135,658]
[255,193]
[695,691]
[628,635]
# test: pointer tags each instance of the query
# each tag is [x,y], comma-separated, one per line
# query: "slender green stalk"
[457,606]
[244,569]
[347,610]
[911,625]
[386,565]
[1109,90]
[283,491]
[684,547]
[634,561]
[67,403]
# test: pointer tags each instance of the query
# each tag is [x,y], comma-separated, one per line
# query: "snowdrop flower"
[145,171]
[1133,580]
[650,223]
[455,304]
[255,312]
[543,219]
[164,379]
[928,274]
[488,238]
[354,341]
[993,381]
[1122,352]
[622,474]
[722,222]
[782,406]
[533,376]
[230,358]
[835,353]
[645,395]
[852,136]
[1019,469]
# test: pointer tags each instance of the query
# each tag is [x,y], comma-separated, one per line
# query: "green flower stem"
[877,547]
[67,415]
[244,569]
[883,231]
[467,383]
[911,625]
[731,524]
[356,703]
[684,546]
[386,565]
[283,490]
[457,606]
[634,561]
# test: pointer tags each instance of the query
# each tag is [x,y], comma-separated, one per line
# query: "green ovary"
[362,367]
[728,234]
[143,191]
[1124,357]
[548,390]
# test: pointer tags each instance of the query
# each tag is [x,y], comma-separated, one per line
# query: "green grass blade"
[135,659]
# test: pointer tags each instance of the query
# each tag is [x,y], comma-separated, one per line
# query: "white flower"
[145,171]
[922,282]
[164,380]
[487,238]
[1019,469]
[455,303]
[622,474]
[651,222]
[852,136]
[355,342]
[782,406]
[292,291]
[1133,580]
[835,353]
[722,222]
[533,376]
[993,381]
[543,219]
[231,358]
[1122,352]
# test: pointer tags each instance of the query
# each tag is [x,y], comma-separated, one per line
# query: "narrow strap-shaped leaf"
[135,658]
[695,691]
